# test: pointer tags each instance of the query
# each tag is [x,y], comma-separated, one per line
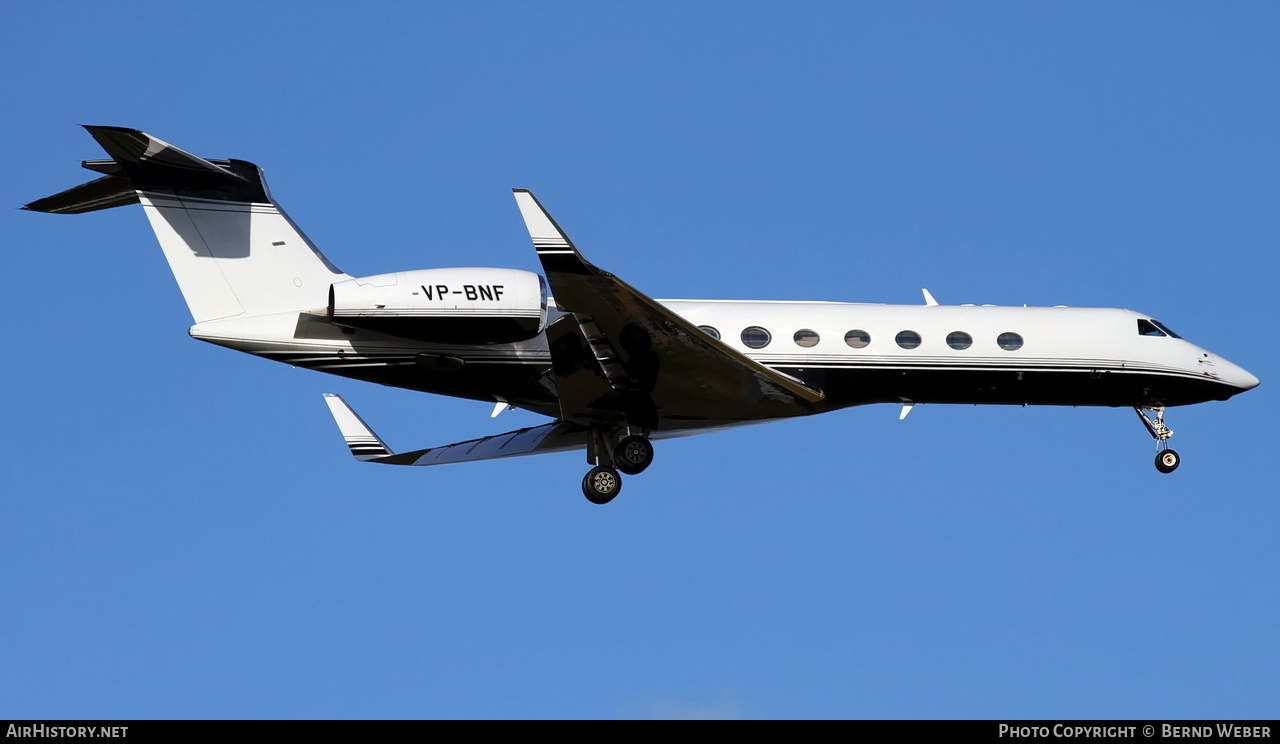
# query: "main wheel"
[633,454]
[1167,461]
[601,484]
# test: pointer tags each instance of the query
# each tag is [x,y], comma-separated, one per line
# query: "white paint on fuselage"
[1059,338]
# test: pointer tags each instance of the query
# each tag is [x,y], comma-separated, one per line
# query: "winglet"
[928,298]
[364,444]
[555,250]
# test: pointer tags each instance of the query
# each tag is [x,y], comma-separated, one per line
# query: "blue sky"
[182,533]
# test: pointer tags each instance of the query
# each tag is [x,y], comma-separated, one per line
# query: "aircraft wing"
[620,354]
[557,436]
[366,446]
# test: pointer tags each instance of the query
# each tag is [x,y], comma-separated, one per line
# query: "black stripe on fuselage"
[521,381]
[1052,386]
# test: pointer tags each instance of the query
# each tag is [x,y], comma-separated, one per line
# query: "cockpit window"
[1164,328]
[1154,328]
[1147,328]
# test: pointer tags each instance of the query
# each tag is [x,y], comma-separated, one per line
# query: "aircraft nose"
[1239,377]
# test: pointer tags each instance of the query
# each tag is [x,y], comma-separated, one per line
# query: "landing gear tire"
[1167,461]
[601,484]
[633,454]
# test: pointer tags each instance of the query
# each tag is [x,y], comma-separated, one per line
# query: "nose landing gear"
[1167,460]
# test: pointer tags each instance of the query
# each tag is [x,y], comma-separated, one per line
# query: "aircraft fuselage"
[855,353]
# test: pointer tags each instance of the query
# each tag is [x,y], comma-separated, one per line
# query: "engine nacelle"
[449,306]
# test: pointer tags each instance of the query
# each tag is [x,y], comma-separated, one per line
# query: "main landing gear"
[1167,460]
[631,454]
[601,484]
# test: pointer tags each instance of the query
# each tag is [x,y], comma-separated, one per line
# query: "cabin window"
[1164,328]
[806,338]
[710,331]
[1147,328]
[756,337]
[1009,341]
[907,339]
[959,340]
[857,339]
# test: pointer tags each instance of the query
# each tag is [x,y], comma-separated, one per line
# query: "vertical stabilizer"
[230,247]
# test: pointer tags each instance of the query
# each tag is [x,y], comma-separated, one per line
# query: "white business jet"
[613,368]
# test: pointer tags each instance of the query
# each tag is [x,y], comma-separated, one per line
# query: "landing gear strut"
[1167,460]
[631,454]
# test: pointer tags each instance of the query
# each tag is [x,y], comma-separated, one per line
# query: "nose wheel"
[1167,460]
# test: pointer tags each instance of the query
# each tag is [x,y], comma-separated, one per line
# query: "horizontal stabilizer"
[103,193]
[150,161]
[143,162]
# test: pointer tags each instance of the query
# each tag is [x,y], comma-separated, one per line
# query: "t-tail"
[231,248]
